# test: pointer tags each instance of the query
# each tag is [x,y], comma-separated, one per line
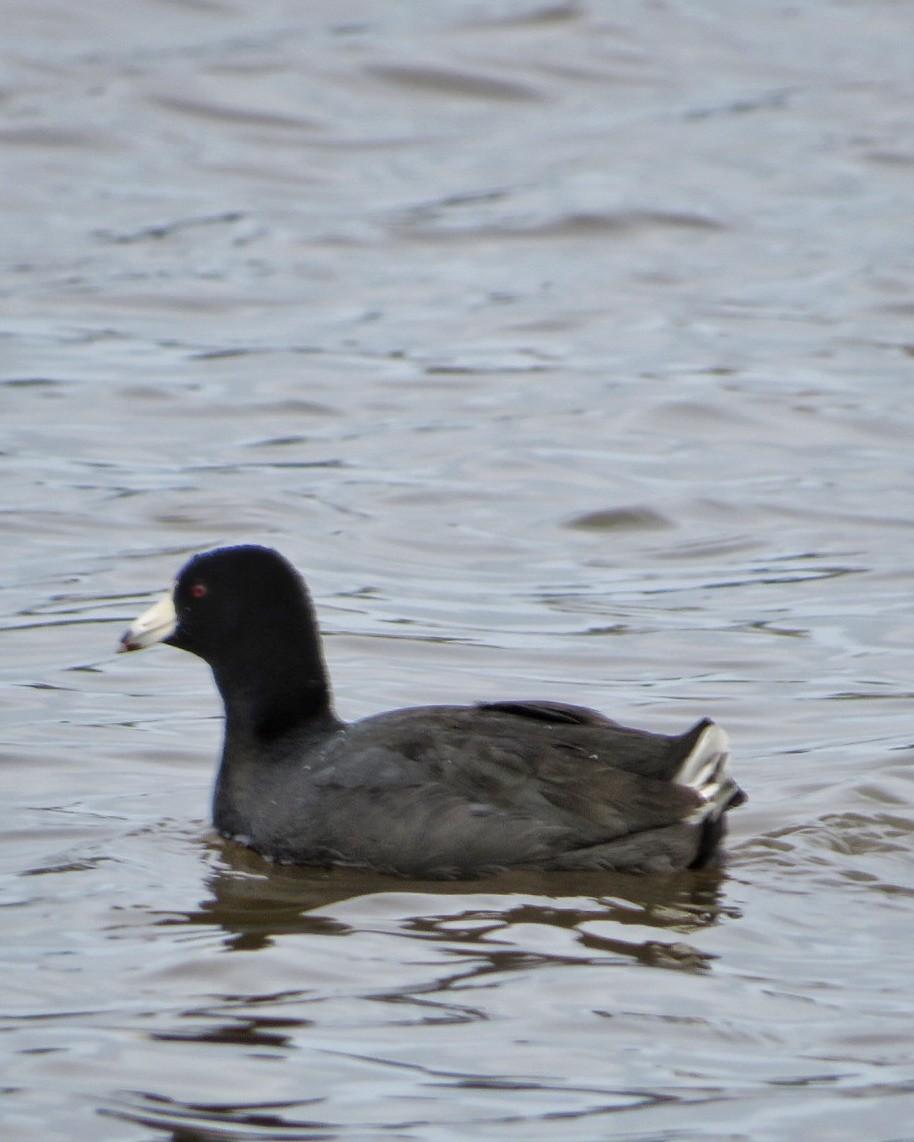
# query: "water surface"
[567,350]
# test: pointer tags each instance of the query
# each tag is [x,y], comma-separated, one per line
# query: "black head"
[246,611]
[238,596]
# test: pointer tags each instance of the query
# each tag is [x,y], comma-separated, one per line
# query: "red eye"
[198,591]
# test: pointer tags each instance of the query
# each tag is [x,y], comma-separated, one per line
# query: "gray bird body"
[428,791]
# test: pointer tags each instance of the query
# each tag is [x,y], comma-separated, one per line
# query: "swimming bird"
[427,791]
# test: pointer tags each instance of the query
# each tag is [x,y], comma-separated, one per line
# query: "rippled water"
[567,350]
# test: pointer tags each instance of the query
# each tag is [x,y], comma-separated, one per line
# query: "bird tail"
[706,769]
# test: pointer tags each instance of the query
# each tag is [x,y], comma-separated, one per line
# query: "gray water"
[567,350]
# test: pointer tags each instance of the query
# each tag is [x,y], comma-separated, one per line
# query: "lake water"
[567,351]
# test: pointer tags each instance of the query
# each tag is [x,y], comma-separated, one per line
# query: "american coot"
[431,791]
